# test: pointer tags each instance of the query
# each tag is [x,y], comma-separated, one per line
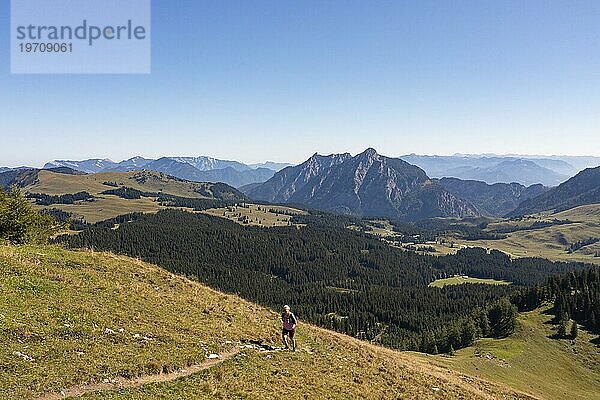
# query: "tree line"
[69,198]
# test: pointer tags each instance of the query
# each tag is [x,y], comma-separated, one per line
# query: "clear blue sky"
[280,80]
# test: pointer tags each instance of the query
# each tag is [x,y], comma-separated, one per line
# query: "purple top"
[289,321]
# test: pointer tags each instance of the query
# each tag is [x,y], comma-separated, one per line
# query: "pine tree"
[451,351]
[574,330]
[20,223]
[562,328]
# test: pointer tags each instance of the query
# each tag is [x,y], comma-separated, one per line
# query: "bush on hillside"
[20,223]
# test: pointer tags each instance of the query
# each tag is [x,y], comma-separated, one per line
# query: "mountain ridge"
[494,200]
[367,184]
[493,169]
[198,169]
[582,189]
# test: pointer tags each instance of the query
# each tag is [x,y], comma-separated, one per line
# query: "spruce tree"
[451,351]
[574,330]
[562,328]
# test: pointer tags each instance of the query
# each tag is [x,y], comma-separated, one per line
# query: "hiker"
[289,321]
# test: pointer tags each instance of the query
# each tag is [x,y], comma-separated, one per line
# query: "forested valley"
[337,278]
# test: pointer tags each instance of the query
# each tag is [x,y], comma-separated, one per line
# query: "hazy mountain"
[199,169]
[582,162]
[558,166]
[368,185]
[583,188]
[521,171]
[134,163]
[495,200]
[249,187]
[204,163]
[491,169]
[271,165]
[237,178]
[175,168]
[4,169]
[579,163]
[89,166]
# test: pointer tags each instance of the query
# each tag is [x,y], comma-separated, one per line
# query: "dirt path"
[121,383]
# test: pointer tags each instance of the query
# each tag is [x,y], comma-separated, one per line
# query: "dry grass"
[109,206]
[545,242]
[57,305]
[459,280]
[146,181]
[104,207]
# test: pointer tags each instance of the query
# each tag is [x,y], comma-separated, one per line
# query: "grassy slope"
[108,206]
[56,305]
[544,242]
[459,280]
[534,362]
[53,183]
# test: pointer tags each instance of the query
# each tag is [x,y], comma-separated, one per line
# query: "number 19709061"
[46,47]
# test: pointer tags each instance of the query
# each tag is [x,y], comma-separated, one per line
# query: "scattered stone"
[24,356]
[109,331]
[137,336]
[121,330]
[435,389]
[213,356]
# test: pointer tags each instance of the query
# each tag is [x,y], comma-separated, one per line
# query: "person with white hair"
[289,321]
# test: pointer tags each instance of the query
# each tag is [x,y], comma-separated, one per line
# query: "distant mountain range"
[495,169]
[489,168]
[366,185]
[200,169]
[495,200]
[583,188]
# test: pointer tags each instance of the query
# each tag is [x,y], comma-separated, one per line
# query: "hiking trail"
[124,383]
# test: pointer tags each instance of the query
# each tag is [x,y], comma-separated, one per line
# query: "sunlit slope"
[533,361]
[69,318]
[551,242]
[149,181]
[107,206]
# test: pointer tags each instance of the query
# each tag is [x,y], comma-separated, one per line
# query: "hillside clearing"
[256,214]
[459,280]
